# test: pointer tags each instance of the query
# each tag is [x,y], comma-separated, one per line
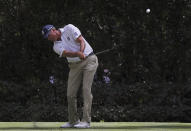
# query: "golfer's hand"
[81,55]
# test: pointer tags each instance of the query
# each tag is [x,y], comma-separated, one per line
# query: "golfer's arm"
[70,54]
[80,40]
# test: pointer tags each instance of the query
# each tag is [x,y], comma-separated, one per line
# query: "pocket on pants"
[92,63]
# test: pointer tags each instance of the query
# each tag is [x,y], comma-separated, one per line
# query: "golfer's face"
[53,35]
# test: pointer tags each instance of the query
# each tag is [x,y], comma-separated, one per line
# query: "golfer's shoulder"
[69,26]
[72,27]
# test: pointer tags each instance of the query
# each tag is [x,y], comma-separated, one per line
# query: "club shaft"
[104,51]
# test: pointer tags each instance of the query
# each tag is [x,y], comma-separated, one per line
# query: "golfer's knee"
[88,96]
[71,97]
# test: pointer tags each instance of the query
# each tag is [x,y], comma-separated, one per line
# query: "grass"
[96,126]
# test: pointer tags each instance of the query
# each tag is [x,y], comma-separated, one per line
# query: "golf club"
[107,50]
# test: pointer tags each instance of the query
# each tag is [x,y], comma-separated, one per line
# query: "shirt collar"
[61,30]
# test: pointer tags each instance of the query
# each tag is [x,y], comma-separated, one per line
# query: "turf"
[96,126]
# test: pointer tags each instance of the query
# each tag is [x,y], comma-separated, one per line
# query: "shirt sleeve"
[59,50]
[75,32]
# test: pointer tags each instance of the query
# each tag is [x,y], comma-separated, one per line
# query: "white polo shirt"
[69,34]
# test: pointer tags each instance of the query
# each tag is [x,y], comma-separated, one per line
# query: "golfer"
[69,42]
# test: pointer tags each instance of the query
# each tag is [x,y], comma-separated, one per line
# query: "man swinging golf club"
[83,63]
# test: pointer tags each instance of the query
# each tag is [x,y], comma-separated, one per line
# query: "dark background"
[150,70]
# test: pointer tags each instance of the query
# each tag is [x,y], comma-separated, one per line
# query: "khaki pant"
[82,72]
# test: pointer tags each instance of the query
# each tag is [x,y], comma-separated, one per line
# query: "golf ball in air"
[148,11]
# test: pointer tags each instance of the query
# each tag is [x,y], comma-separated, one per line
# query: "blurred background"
[146,78]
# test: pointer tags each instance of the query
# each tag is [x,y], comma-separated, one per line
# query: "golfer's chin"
[53,40]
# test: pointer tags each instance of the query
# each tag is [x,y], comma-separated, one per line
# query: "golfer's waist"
[78,60]
[92,53]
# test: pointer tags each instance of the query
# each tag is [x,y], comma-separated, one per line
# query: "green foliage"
[150,69]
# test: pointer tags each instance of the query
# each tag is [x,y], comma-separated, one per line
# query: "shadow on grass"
[102,127]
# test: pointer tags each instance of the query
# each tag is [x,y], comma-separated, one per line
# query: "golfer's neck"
[59,39]
[59,36]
